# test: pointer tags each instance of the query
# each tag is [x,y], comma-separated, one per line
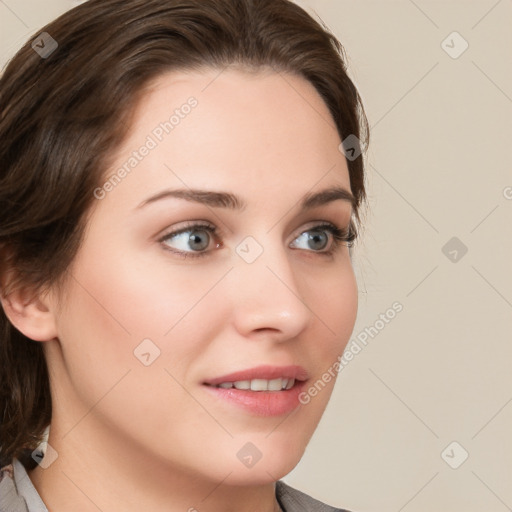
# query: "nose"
[267,297]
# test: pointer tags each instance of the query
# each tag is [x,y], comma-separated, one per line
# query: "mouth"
[261,391]
[278,384]
[261,378]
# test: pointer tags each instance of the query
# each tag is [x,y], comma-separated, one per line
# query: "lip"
[262,372]
[261,403]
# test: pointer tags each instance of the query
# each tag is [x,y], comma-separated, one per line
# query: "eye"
[317,238]
[192,240]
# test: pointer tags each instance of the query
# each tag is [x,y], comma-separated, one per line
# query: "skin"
[132,437]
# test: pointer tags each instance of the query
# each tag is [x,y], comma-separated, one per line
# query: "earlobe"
[31,315]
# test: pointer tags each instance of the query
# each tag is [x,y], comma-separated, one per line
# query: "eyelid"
[321,223]
[189,225]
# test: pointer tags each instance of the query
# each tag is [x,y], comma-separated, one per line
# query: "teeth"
[275,385]
[259,384]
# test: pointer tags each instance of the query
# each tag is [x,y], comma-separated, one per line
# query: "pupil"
[194,239]
[316,238]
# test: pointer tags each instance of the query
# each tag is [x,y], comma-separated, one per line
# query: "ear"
[32,315]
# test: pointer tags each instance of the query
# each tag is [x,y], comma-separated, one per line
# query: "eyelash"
[339,236]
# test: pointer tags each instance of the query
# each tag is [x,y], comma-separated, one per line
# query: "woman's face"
[149,318]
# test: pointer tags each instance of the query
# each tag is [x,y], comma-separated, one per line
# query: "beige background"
[438,167]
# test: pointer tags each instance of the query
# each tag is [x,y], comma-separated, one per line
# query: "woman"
[181,184]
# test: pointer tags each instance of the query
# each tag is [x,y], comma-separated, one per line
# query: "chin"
[262,473]
[273,457]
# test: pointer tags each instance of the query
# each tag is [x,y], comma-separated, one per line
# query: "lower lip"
[262,403]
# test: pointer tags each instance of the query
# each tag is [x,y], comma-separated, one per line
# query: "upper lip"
[267,372]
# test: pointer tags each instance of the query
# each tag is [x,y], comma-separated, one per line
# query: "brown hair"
[62,114]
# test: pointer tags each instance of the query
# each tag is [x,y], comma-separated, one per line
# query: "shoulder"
[17,494]
[293,500]
[10,500]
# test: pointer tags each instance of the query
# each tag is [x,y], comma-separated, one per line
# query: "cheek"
[335,306]
[106,318]
[118,303]
[334,302]
[129,295]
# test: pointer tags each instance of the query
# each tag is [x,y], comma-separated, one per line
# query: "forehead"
[233,129]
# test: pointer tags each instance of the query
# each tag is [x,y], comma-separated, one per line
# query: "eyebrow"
[233,202]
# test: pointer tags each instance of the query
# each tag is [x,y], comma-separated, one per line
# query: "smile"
[259,384]
[264,390]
